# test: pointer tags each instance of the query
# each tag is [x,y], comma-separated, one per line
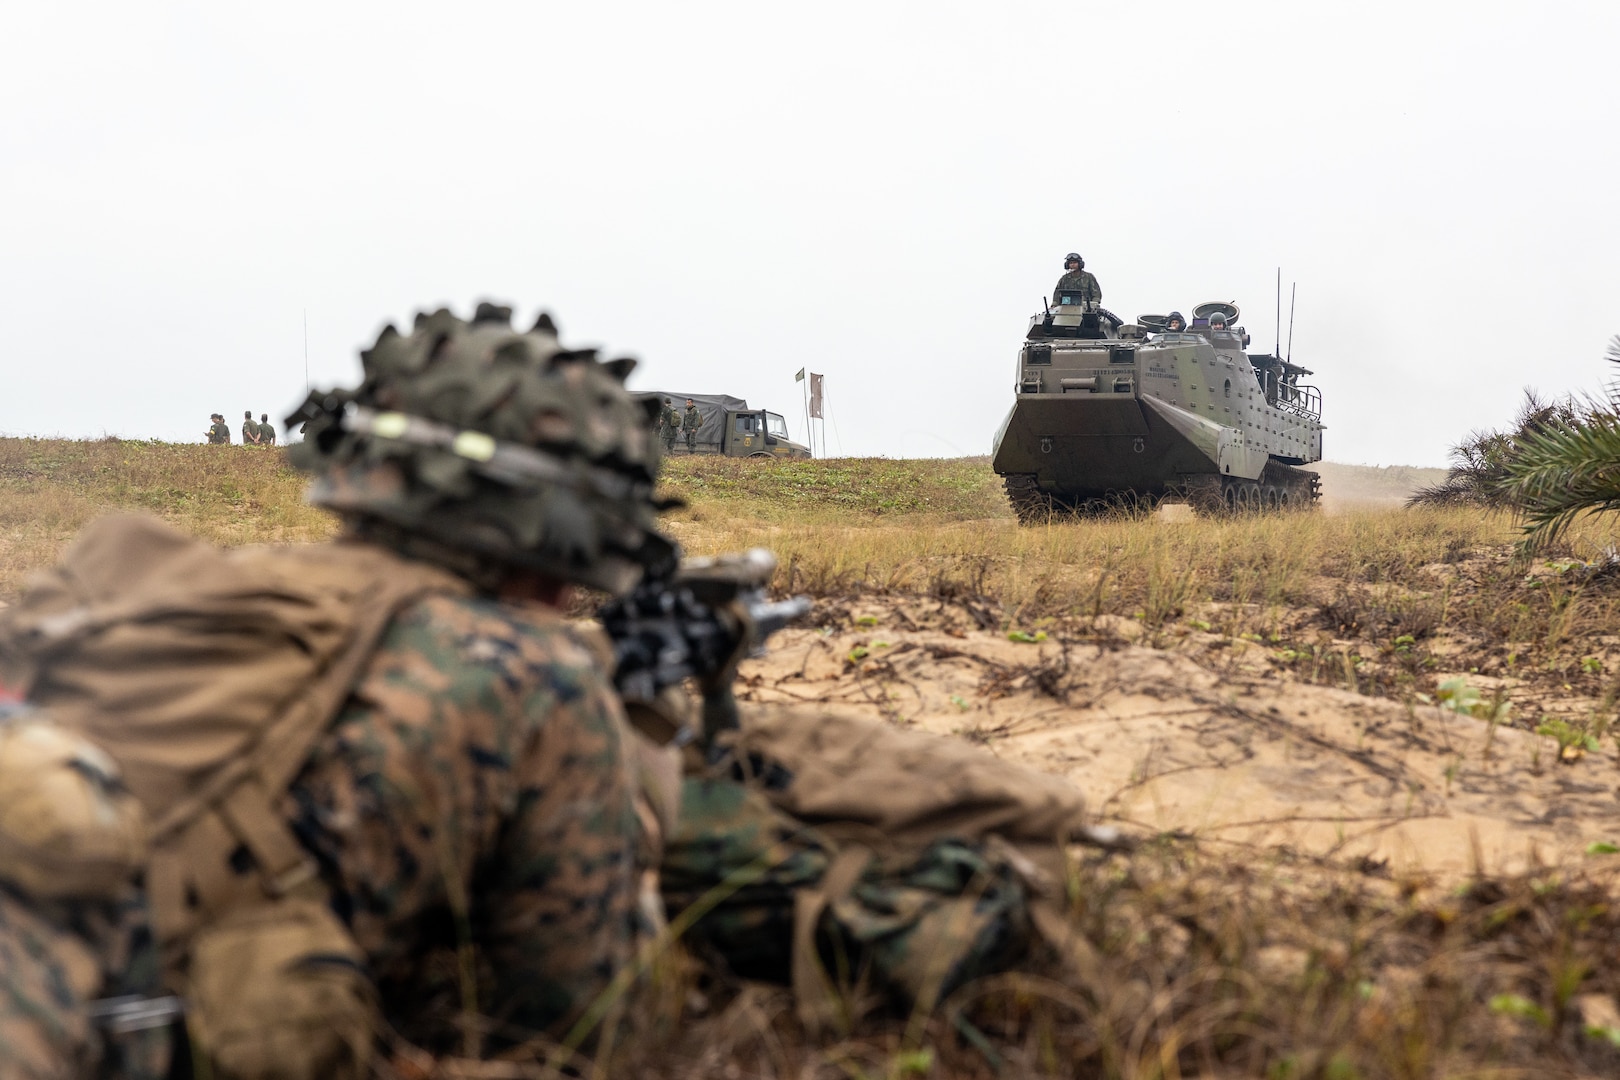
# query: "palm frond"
[1562,471]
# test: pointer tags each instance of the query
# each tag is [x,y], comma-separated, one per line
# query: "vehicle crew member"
[1175,324]
[690,423]
[1077,277]
[219,433]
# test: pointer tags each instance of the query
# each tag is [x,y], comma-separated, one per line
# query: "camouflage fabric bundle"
[463,435]
[800,858]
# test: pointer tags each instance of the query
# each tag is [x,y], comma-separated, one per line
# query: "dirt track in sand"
[1161,742]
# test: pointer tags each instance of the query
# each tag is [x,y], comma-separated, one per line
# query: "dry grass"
[49,488]
[1192,966]
[1387,601]
[1189,962]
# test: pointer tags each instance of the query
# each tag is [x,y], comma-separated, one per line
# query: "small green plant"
[1568,736]
[1023,637]
[1607,1034]
[1459,697]
[1592,665]
[1602,847]
[960,702]
[866,620]
[858,653]
[1522,1007]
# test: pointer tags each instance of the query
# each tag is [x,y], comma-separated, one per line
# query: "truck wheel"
[761,453]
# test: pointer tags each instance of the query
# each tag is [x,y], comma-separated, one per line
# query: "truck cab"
[759,433]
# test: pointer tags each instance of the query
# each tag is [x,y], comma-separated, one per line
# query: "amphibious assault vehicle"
[1112,414]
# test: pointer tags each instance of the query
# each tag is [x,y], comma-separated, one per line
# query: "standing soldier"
[219,433]
[250,429]
[434,745]
[1077,279]
[690,424]
[669,425]
[267,430]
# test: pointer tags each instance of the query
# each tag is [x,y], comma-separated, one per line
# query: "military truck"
[1111,414]
[731,428]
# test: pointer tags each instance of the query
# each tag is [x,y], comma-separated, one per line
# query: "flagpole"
[804,394]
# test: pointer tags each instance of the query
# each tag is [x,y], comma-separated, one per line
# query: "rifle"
[698,622]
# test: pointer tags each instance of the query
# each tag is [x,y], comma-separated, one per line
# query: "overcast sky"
[879,191]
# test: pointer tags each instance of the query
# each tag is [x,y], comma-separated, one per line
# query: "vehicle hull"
[1114,420]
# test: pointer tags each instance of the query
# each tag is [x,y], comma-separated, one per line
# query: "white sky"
[880,191]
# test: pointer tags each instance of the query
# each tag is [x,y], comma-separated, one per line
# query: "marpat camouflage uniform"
[473,808]
[55,959]
[690,424]
[478,778]
[1082,280]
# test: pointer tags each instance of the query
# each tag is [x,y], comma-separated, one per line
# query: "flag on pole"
[815,395]
[800,376]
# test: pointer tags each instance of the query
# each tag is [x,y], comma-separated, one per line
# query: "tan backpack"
[207,675]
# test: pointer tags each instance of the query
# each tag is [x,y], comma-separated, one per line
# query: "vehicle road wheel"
[761,453]
[1031,505]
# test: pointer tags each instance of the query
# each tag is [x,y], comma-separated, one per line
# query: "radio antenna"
[1277,348]
[1293,290]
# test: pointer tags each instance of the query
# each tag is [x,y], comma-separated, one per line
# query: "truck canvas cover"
[713,407]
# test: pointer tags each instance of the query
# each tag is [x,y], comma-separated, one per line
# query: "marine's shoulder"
[507,642]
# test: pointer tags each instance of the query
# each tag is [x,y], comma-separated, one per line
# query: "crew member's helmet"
[1175,316]
[1217,319]
[1073,257]
[488,450]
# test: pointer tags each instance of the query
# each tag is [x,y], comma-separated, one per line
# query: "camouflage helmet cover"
[495,444]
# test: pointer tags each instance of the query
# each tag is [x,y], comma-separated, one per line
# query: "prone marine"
[377,799]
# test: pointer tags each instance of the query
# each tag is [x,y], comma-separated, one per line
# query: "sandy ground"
[1161,742]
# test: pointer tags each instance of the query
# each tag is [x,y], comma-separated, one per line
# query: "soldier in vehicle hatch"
[1175,324]
[1077,277]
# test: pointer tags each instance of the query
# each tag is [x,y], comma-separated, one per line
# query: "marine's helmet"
[1175,316]
[489,450]
[1073,257]
[1217,319]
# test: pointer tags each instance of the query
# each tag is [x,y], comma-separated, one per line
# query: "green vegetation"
[839,489]
[1560,460]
